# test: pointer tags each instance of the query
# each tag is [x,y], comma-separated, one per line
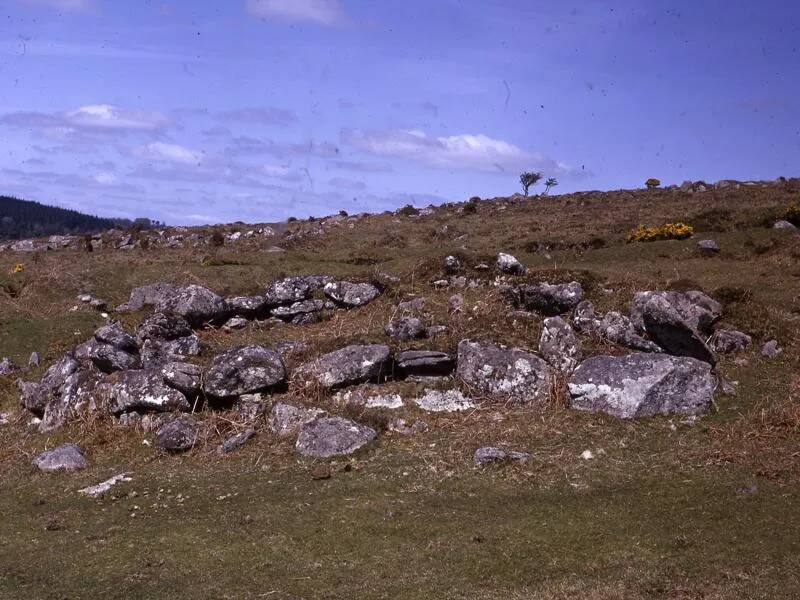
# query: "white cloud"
[105,178]
[106,116]
[476,152]
[321,12]
[171,153]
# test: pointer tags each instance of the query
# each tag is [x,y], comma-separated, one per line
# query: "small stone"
[771,349]
[236,441]
[96,491]
[451,265]
[708,247]
[33,361]
[491,455]
[178,435]
[784,226]
[63,458]
[325,437]
[506,263]
[286,419]
[235,323]
[726,341]
[447,401]
[7,367]
[405,329]
[456,304]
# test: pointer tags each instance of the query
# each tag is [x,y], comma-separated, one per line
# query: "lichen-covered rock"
[771,349]
[347,366]
[81,393]
[545,298]
[697,309]
[236,441]
[114,335]
[424,363]
[195,303]
[617,328]
[178,435]
[642,385]
[147,295]
[491,455]
[184,377]
[451,265]
[670,331]
[293,289]
[285,420]
[143,390]
[325,437]
[506,263]
[158,352]
[369,397]
[35,397]
[249,307]
[159,326]
[351,295]
[63,458]
[406,328]
[244,370]
[559,345]
[300,313]
[495,370]
[444,401]
[726,341]
[235,323]
[7,367]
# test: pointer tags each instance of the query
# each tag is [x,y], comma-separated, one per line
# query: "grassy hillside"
[666,509]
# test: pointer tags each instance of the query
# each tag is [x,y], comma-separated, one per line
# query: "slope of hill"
[24,219]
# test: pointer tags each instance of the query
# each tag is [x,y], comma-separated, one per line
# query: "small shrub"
[652,183]
[343,213]
[217,239]
[470,208]
[792,214]
[408,211]
[670,231]
[475,199]
[291,219]
[528,179]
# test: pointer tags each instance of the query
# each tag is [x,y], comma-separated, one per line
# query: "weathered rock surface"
[672,332]
[447,401]
[369,397]
[642,385]
[325,437]
[184,377]
[347,366]
[451,265]
[195,303]
[109,358]
[244,371]
[36,396]
[547,299]
[178,435]
[157,352]
[491,455]
[558,345]
[159,326]
[285,420]
[506,263]
[300,313]
[771,349]
[614,327]
[143,390]
[147,295]
[349,294]
[63,458]
[697,309]
[293,289]
[727,341]
[249,307]
[81,393]
[708,247]
[424,363]
[496,370]
[236,441]
[406,328]
[784,226]
[7,367]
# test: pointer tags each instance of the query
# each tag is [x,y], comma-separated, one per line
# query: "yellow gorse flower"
[670,231]
[18,268]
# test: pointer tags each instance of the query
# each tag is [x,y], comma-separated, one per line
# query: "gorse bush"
[670,231]
[792,214]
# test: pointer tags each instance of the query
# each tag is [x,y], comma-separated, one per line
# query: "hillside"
[26,219]
[421,416]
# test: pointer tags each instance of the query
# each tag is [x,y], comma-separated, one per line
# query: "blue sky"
[255,110]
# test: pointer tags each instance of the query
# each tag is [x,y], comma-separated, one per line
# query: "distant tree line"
[21,219]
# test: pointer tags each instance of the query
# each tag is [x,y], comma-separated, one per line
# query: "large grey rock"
[7,367]
[349,294]
[155,352]
[669,329]
[325,437]
[489,455]
[159,326]
[642,385]
[81,393]
[147,295]
[347,366]
[143,390]
[496,370]
[300,313]
[35,397]
[249,307]
[424,363]
[184,377]
[559,345]
[697,309]
[285,420]
[109,358]
[178,435]
[63,458]
[114,335]
[617,328]
[196,304]
[726,341]
[244,370]
[406,328]
[506,263]
[545,298]
[293,289]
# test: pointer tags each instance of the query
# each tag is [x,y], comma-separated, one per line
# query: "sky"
[194,112]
